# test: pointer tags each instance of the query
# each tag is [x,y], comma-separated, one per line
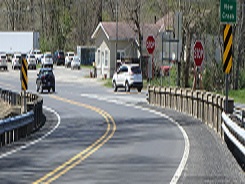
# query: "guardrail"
[234,135]
[240,115]
[206,106]
[22,125]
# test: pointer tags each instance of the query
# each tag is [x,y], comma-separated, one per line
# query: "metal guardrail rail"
[239,112]
[22,125]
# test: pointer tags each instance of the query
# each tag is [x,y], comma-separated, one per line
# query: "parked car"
[59,57]
[38,54]
[128,76]
[47,60]
[3,61]
[16,61]
[31,60]
[75,63]
[45,80]
[68,58]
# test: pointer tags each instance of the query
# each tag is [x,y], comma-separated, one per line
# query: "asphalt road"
[93,135]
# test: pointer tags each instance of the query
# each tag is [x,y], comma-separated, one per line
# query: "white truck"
[17,41]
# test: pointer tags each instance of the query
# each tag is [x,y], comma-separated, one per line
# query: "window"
[136,70]
[106,58]
[98,56]
[120,54]
[124,69]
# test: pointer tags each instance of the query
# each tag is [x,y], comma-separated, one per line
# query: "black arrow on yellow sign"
[227,56]
[24,77]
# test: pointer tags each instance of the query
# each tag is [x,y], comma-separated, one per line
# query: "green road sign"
[228,11]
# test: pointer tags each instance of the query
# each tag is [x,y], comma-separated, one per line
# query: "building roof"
[128,31]
[125,31]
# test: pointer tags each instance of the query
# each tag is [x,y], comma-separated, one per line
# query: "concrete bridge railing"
[206,106]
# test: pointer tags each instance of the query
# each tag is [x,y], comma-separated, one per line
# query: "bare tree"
[132,14]
[240,44]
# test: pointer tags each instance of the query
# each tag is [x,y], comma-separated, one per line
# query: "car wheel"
[114,86]
[41,88]
[37,88]
[53,89]
[127,88]
[79,68]
[139,89]
[49,90]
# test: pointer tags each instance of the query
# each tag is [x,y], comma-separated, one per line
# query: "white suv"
[3,61]
[16,61]
[68,59]
[31,60]
[47,60]
[128,76]
[38,54]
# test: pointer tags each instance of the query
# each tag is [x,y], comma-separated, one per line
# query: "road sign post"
[228,11]
[198,55]
[227,59]
[228,16]
[24,82]
[150,46]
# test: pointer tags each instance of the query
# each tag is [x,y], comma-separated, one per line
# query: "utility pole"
[116,33]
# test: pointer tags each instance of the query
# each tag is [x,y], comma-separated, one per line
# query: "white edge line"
[185,156]
[37,140]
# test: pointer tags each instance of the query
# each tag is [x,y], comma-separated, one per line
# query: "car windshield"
[47,72]
[32,56]
[3,57]
[76,59]
[136,69]
[61,53]
[18,57]
[48,56]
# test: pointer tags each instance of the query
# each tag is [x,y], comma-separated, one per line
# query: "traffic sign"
[228,11]
[227,56]
[150,44]
[198,53]
[24,77]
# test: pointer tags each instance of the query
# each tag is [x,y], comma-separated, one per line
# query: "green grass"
[237,95]
[87,66]
[107,83]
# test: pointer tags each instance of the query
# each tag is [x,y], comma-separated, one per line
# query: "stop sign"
[198,53]
[150,44]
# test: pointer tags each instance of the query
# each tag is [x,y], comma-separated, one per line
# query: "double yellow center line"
[77,159]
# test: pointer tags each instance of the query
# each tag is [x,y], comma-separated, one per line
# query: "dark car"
[59,57]
[45,80]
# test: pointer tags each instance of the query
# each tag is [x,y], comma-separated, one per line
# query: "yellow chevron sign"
[227,56]
[24,77]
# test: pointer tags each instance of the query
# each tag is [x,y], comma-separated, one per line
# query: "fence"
[16,127]
[209,108]
[206,106]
